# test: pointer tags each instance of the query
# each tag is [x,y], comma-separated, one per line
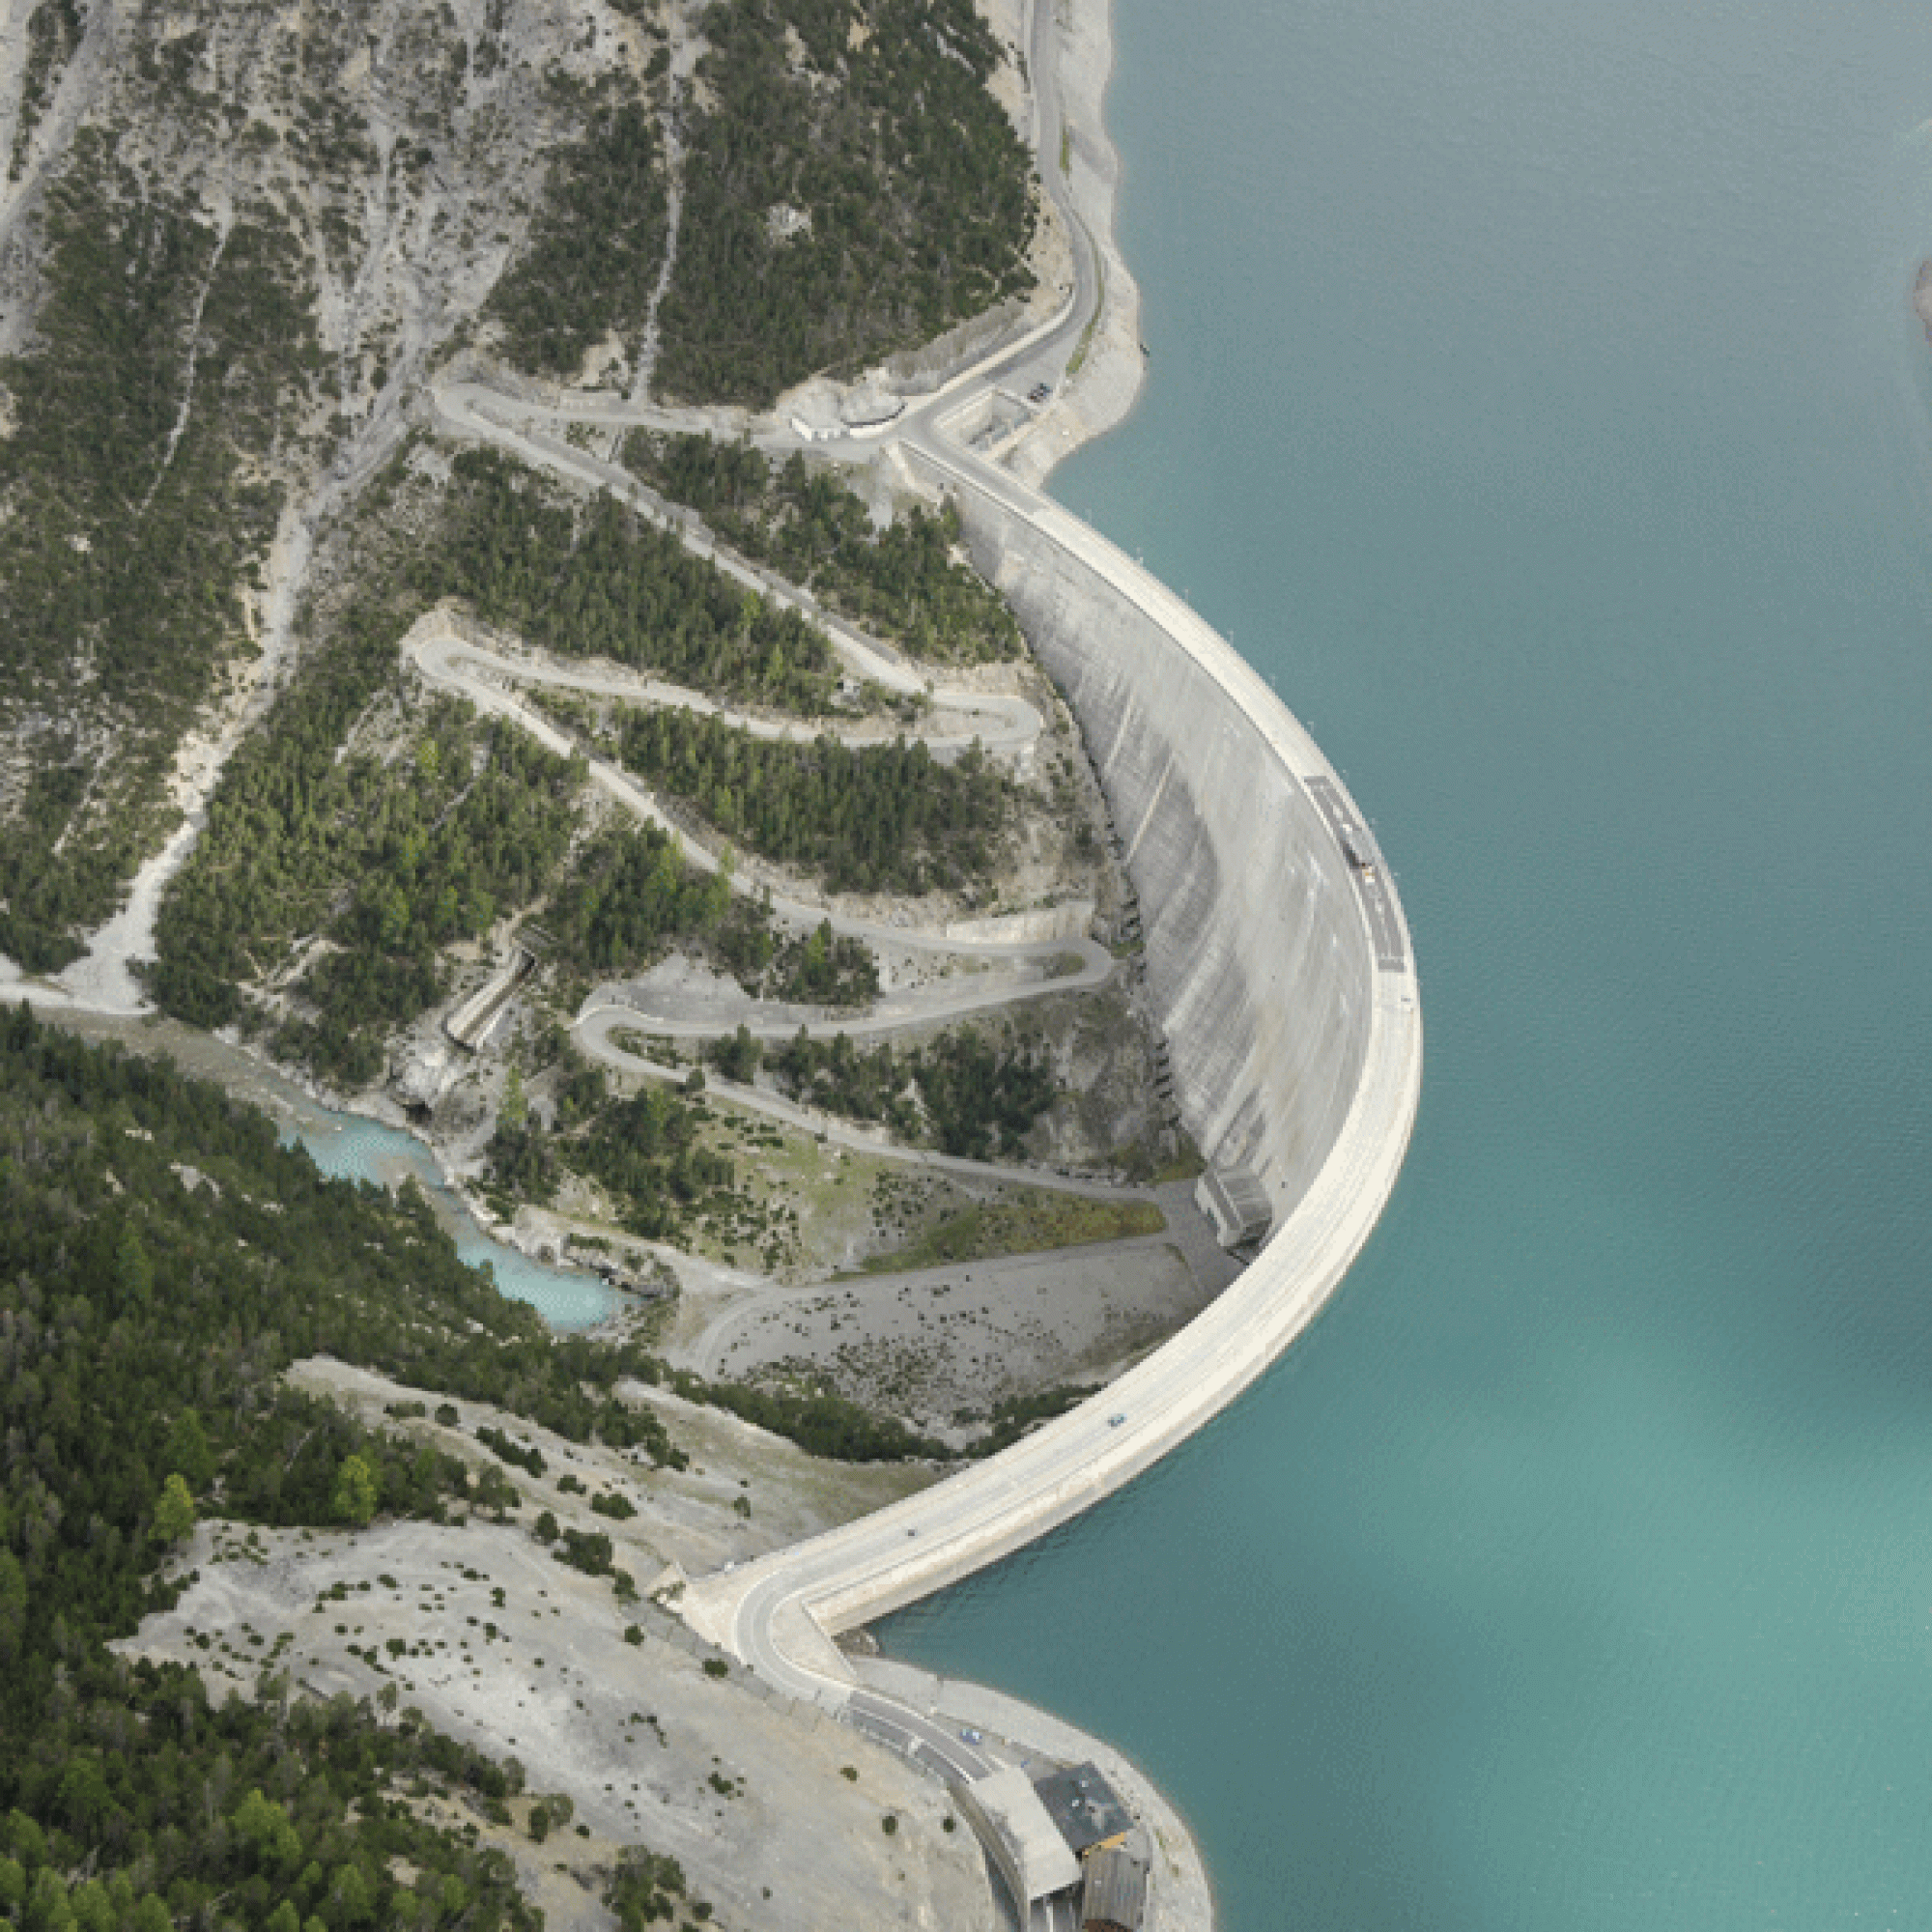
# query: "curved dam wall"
[1261,963]
[1282,974]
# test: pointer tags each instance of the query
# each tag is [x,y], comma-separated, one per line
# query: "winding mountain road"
[489,679]
[595,1026]
[1004,726]
[473,411]
[779,1613]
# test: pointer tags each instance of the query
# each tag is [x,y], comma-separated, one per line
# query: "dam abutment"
[1278,967]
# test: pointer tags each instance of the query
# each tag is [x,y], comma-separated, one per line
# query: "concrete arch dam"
[1261,963]
[1277,963]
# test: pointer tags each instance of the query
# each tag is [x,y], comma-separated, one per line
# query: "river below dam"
[352,1146]
[1536,399]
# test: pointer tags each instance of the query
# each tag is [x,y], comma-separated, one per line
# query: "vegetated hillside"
[141,485]
[592,261]
[366,828]
[968,1091]
[595,580]
[234,237]
[907,582]
[163,1258]
[862,818]
[851,189]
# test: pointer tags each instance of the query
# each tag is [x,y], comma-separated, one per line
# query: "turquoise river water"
[1535,398]
[354,1148]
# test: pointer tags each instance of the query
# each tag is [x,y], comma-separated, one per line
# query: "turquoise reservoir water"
[1535,397]
[352,1147]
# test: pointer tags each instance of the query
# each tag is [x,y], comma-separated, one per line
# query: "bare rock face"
[425,1076]
[1922,298]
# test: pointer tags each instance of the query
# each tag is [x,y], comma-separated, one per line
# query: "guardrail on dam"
[1278,964]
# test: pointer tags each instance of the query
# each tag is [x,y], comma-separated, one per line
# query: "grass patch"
[1186,1165]
[1078,359]
[1029,1223]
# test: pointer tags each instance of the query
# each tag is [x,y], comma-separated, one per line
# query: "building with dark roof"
[1236,1203]
[1085,1808]
[1020,1835]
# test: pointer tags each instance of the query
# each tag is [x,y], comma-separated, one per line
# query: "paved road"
[913,1735]
[476,410]
[1003,725]
[676,1015]
[446,657]
[1365,865]
[777,1613]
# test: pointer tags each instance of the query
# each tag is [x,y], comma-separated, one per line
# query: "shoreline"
[1104,391]
[1327,1120]
[1184,1900]
[1100,397]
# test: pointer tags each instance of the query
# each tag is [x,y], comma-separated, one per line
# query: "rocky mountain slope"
[235,239]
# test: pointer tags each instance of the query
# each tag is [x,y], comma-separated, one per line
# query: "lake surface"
[1536,399]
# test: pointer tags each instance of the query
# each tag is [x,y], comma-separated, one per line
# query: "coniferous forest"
[909,193]
[163,1258]
[903,581]
[597,581]
[146,1318]
[863,818]
[246,242]
[965,1092]
[594,249]
[371,860]
[136,513]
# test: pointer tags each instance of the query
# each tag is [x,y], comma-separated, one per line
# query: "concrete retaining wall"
[1259,964]
[919,372]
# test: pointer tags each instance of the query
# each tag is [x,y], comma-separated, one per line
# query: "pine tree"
[174,1513]
[356,1491]
[133,1271]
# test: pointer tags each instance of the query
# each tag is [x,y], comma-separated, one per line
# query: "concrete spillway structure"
[1278,963]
